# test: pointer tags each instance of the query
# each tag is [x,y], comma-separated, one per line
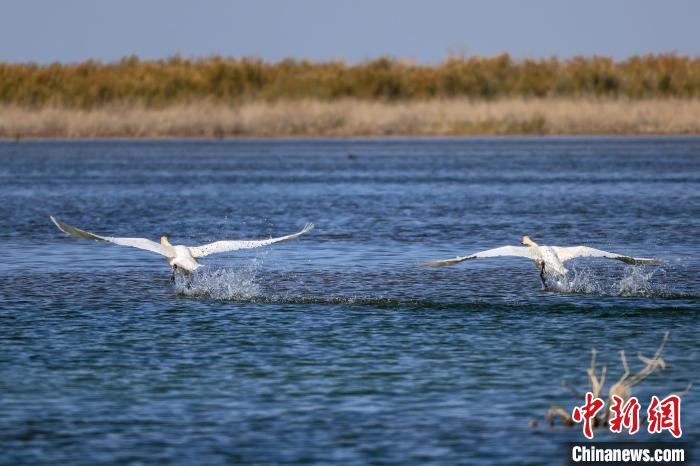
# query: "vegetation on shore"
[359,118]
[226,97]
[229,81]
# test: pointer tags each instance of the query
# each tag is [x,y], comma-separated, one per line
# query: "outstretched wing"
[518,251]
[225,246]
[140,243]
[566,254]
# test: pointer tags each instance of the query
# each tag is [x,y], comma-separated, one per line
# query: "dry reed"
[552,116]
[230,81]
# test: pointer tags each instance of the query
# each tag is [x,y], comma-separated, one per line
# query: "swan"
[548,259]
[180,258]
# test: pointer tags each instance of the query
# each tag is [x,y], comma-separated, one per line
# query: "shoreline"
[359,119]
[356,138]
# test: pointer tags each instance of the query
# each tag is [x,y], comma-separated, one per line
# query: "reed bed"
[353,117]
[229,81]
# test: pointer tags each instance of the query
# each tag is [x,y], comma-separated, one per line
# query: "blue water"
[335,348]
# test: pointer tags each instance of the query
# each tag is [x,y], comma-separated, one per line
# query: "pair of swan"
[549,260]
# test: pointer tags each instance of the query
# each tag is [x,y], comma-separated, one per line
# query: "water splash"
[578,281]
[635,281]
[222,283]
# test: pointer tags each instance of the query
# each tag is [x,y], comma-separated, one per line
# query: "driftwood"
[621,388]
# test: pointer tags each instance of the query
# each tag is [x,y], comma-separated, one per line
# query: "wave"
[635,281]
[244,285]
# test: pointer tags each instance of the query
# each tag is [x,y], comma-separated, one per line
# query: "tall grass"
[230,81]
[353,117]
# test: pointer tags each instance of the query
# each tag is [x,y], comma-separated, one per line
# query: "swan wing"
[140,243]
[518,251]
[226,246]
[566,254]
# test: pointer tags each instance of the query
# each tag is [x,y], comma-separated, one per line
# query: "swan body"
[182,258]
[179,257]
[548,259]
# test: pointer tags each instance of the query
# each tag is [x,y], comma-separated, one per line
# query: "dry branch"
[621,388]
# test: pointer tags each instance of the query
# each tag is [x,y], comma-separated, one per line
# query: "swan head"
[164,241]
[528,242]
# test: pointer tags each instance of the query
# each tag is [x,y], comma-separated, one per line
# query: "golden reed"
[352,117]
[226,97]
[234,81]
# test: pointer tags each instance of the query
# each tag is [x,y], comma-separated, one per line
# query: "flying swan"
[548,259]
[180,258]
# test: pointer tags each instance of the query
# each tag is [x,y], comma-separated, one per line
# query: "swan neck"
[528,242]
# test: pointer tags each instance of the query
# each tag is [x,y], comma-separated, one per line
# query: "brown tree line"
[230,81]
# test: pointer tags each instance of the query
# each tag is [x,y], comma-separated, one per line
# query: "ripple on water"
[338,349]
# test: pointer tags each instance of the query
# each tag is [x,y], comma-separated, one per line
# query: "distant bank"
[228,97]
[353,117]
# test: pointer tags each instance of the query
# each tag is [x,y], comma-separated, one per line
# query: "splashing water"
[242,285]
[222,283]
[636,281]
[578,281]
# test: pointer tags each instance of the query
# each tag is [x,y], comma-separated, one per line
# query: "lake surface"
[336,348]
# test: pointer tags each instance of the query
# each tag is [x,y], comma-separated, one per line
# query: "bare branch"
[621,388]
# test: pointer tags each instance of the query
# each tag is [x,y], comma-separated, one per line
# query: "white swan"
[180,258]
[548,259]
